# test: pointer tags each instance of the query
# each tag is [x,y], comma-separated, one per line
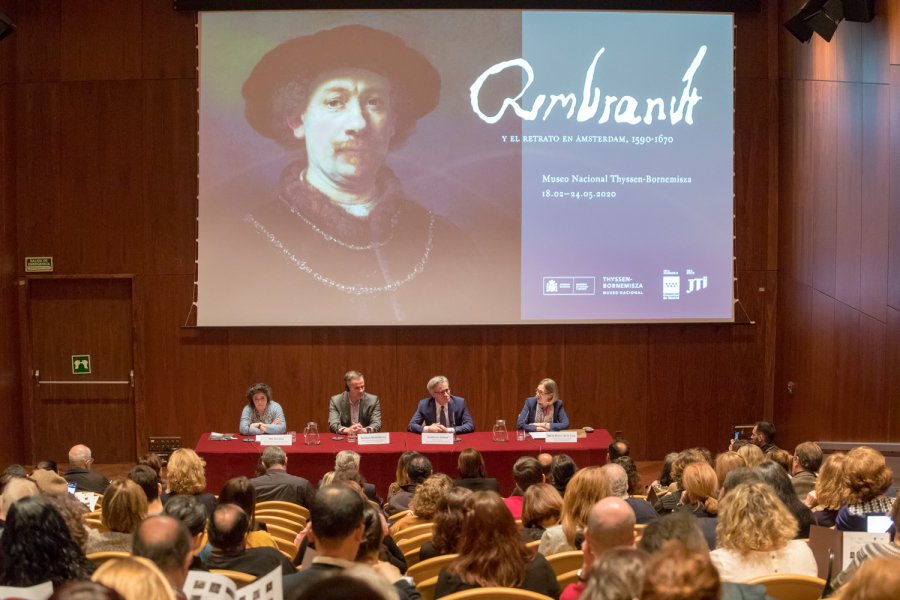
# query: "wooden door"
[70,317]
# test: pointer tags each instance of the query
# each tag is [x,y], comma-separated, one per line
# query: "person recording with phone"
[261,414]
[543,411]
[443,412]
[354,410]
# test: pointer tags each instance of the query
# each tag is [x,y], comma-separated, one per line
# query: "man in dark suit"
[277,484]
[80,473]
[443,412]
[353,410]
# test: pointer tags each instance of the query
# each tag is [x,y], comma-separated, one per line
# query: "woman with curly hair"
[492,553]
[755,536]
[124,507]
[867,478]
[586,488]
[36,546]
[676,573]
[830,492]
[424,502]
[447,524]
[187,477]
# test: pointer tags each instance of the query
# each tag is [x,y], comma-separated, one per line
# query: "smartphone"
[737,434]
[71,487]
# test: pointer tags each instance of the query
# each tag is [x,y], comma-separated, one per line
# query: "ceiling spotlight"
[816,16]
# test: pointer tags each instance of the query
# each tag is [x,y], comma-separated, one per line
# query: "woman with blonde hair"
[586,488]
[424,502]
[830,492]
[124,507]
[752,455]
[134,577]
[187,477]
[867,478]
[727,462]
[755,536]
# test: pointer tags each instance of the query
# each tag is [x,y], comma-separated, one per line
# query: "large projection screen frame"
[559,150]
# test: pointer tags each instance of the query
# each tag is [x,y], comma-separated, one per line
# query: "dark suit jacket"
[87,481]
[277,484]
[426,414]
[526,417]
[478,484]
[339,412]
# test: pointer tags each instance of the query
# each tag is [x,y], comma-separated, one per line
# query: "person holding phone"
[261,414]
[543,411]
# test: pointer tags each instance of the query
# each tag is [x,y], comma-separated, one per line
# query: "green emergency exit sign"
[81,364]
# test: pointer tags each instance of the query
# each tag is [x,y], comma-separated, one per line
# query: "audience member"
[738,476]
[493,553]
[618,574]
[727,462]
[124,507]
[72,511]
[193,514]
[618,483]
[776,477]
[670,500]
[79,473]
[675,573]
[277,484]
[448,523]
[610,525]
[700,498]
[135,578]
[877,579]
[526,472]
[153,460]
[618,448]
[830,492]
[635,485]
[541,508]
[15,489]
[347,462]
[665,484]
[36,546]
[47,465]
[473,473]
[166,542]
[401,478]
[239,490]
[546,460]
[805,468]
[587,488]
[85,590]
[752,455]
[780,457]
[418,469]
[49,482]
[355,581]
[755,536]
[876,549]
[763,436]
[423,504]
[187,477]
[867,478]
[562,469]
[336,529]
[372,548]
[227,530]
[148,480]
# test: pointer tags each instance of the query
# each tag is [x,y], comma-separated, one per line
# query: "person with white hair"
[442,412]
[79,473]
[618,480]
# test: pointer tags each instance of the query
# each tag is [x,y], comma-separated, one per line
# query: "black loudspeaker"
[6,25]
[859,11]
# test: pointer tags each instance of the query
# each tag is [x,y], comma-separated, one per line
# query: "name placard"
[437,438]
[569,436]
[275,440]
[373,439]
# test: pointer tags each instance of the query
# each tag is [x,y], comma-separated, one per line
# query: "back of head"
[336,512]
[227,528]
[766,429]
[449,518]
[418,469]
[85,590]
[680,526]
[620,447]
[239,490]
[491,549]
[753,518]
[777,477]
[373,533]
[876,579]
[610,524]
[135,578]
[527,472]
[618,479]
[47,465]
[738,476]
[186,472]
[562,470]
[164,541]
[152,460]
[618,574]
[79,455]
[866,474]
[634,478]
[189,511]
[471,464]
[685,458]
[346,460]
[701,486]
[72,511]
[780,457]
[752,455]
[586,489]
[147,479]
[541,503]
[424,502]
[675,573]
[726,462]
[274,455]
[16,489]
[831,488]
[358,581]
[124,506]
[809,456]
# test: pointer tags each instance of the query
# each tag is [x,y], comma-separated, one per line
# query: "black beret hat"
[354,46]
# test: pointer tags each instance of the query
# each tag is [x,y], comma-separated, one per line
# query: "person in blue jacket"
[261,414]
[543,411]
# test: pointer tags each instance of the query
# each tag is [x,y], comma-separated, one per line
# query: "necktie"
[443,417]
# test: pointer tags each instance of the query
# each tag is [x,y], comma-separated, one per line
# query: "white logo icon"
[671,287]
[552,287]
[695,284]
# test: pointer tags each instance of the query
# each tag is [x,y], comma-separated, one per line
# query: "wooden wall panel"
[891,10]
[821,182]
[838,60]
[36,40]
[892,367]
[875,202]
[893,285]
[168,41]
[99,40]
[848,191]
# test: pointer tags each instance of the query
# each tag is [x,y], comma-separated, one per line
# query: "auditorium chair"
[567,578]
[426,587]
[429,568]
[282,505]
[496,593]
[407,545]
[273,521]
[240,579]
[282,514]
[412,531]
[397,516]
[563,562]
[533,544]
[791,586]
[286,547]
[98,558]
[277,531]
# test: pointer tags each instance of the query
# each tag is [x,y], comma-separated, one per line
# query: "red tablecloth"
[227,459]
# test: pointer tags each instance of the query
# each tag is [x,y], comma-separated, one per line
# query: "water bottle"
[500,431]
[311,434]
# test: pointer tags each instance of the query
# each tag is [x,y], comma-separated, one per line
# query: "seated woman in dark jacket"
[473,473]
[543,411]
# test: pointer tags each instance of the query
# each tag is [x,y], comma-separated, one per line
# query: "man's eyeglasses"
[445,392]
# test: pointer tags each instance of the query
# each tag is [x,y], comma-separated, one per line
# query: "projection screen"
[465,167]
